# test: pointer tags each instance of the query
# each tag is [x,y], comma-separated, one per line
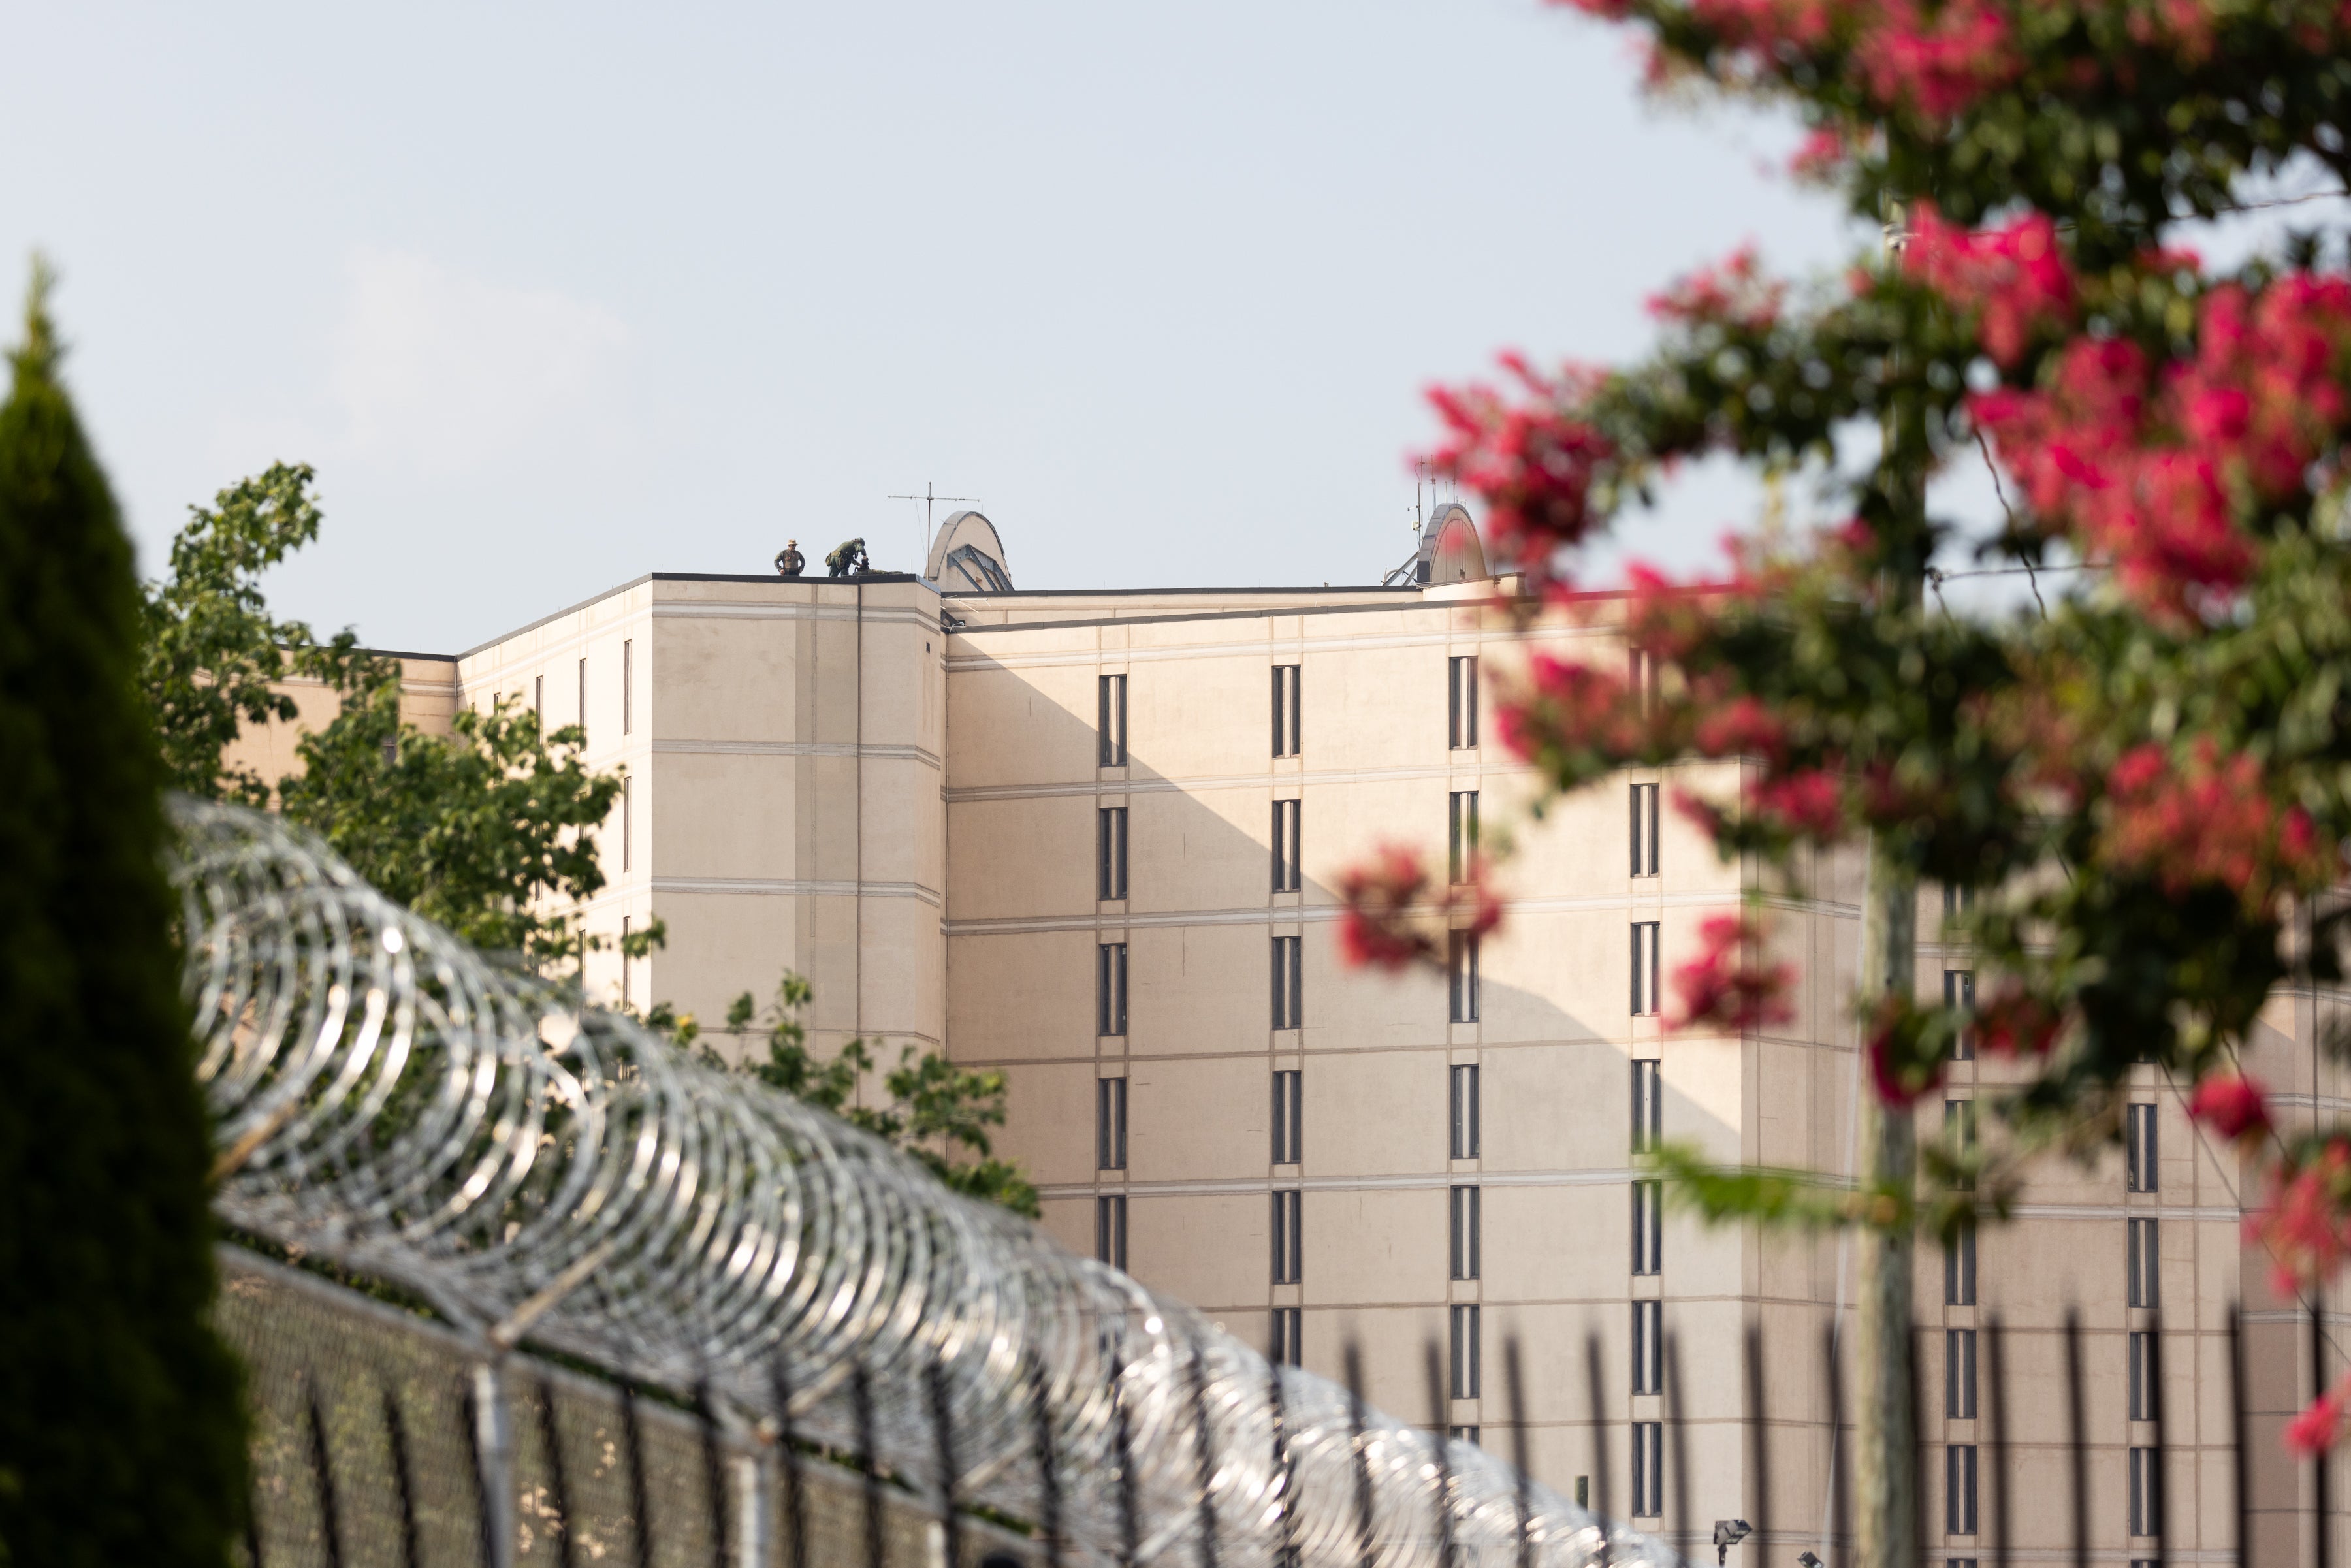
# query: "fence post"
[1359,1447]
[494,1449]
[1441,1409]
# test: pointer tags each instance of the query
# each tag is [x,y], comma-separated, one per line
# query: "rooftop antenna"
[928,500]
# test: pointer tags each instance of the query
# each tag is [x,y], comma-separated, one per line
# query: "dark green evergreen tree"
[122,1423]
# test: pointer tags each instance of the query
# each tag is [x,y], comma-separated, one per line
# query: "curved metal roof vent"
[1450,550]
[966,557]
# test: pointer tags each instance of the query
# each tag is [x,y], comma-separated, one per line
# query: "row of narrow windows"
[1288,711]
[1461,841]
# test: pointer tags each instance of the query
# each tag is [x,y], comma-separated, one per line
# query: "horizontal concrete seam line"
[1245,1184]
[877,750]
[960,664]
[989,925]
[2117,1211]
[958,794]
[753,610]
[795,887]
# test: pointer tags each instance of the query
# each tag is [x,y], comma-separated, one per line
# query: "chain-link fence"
[380,1436]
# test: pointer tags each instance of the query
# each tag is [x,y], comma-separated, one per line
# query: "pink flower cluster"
[1934,59]
[2014,1022]
[1571,704]
[1727,985]
[2303,1223]
[2015,279]
[1937,62]
[2150,470]
[2206,818]
[2315,1430]
[2232,1105]
[1533,461]
[1733,292]
[1398,912]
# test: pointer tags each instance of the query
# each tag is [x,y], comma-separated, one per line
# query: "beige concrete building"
[1093,838]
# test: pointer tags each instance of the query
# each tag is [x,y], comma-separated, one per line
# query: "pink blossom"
[1732,293]
[1725,987]
[1533,461]
[1395,912]
[2014,279]
[2231,1105]
[2204,818]
[2302,1224]
[2315,1430]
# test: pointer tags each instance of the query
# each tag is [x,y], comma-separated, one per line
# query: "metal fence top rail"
[387,1099]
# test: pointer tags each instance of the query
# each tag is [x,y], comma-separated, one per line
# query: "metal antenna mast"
[929,501]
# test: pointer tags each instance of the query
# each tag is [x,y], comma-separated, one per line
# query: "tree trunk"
[1886,1460]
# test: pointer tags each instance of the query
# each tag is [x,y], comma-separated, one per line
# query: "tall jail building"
[1092,838]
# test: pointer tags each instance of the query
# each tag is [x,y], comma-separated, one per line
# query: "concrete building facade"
[1094,839]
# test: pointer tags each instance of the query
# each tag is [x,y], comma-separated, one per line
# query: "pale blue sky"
[555,296]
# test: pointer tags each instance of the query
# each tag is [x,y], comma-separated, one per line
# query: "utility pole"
[929,501]
[1885,1467]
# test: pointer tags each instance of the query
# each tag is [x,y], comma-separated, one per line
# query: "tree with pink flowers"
[2146,778]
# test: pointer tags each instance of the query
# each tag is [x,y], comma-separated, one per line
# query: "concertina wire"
[387,1099]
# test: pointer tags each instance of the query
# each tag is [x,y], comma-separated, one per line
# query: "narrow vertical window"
[1959,996]
[1959,1270]
[1645,967]
[1461,971]
[1648,1226]
[1286,726]
[2145,1493]
[1110,988]
[1959,1135]
[1110,852]
[1959,902]
[2142,1375]
[1287,1251]
[1286,878]
[1288,991]
[2146,1275]
[1464,1142]
[1462,1435]
[1466,1359]
[1284,1349]
[2139,1129]
[538,701]
[1959,1373]
[1959,1489]
[1461,703]
[1110,1232]
[1648,1347]
[1289,1118]
[1648,1469]
[584,701]
[1110,1124]
[1648,1105]
[1462,838]
[624,960]
[628,821]
[1641,675]
[628,688]
[1465,1233]
[1110,695]
[1645,830]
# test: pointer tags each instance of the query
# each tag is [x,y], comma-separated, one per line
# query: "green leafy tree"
[121,1425]
[213,658]
[489,830]
[934,1111]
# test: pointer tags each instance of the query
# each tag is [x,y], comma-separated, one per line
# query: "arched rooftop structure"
[1450,550]
[967,558]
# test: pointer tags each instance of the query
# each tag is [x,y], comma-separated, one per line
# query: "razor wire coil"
[387,1098]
